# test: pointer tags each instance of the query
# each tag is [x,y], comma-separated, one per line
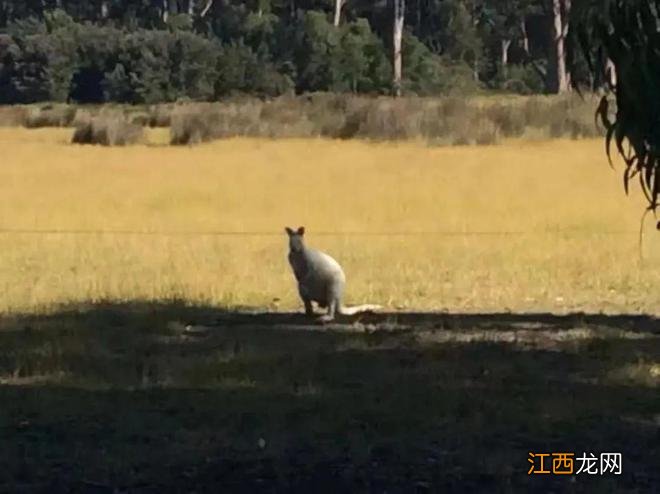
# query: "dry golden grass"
[255,185]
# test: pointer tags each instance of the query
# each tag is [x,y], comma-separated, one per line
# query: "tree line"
[148,51]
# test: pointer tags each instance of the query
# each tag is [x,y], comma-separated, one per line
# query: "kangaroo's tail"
[350,311]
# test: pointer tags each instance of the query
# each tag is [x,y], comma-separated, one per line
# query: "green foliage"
[260,31]
[626,33]
[317,43]
[360,61]
[348,58]
[241,70]
[40,68]
[462,39]
[192,62]
[22,28]
[180,22]
[520,79]
[453,32]
[426,73]
[147,52]
[89,63]
[22,75]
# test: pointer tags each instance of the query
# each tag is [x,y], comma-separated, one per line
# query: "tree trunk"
[506,43]
[558,76]
[191,7]
[610,73]
[338,5]
[399,14]
[105,9]
[525,37]
[207,7]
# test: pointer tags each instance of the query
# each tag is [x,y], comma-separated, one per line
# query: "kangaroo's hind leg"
[334,302]
[309,309]
[332,310]
[305,297]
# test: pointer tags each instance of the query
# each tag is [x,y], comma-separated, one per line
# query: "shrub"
[360,64]
[192,66]
[58,59]
[160,115]
[283,117]
[539,112]
[567,116]
[13,116]
[315,52]
[351,58]
[426,73]
[50,116]
[447,120]
[486,133]
[509,120]
[203,123]
[338,116]
[140,118]
[38,61]
[241,70]
[522,79]
[439,120]
[36,69]
[108,130]
[391,119]
[191,128]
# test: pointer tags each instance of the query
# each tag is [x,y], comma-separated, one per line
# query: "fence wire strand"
[220,233]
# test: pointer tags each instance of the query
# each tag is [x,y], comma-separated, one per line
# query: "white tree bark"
[338,5]
[610,73]
[207,7]
[105,9]
[399,15]
[559,77]
[504,60]
[525,38]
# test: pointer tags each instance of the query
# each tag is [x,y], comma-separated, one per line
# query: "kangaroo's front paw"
[326,318]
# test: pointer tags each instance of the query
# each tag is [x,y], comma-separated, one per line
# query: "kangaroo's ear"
[288,230]
[301,230]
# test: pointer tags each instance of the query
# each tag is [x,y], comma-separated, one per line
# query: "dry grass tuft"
[13,116]
[450,120]
[108,130]
[442,121]
[50,116]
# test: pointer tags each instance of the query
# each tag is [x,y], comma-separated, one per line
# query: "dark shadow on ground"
[146,397]
[442,320]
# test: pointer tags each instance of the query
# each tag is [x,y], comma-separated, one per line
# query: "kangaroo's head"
[296,239]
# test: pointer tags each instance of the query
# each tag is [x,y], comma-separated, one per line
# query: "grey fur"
[320,278]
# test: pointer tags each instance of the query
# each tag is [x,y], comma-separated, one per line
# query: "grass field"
[544,334]
[572,242]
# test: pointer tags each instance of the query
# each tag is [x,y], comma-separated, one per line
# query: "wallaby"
[320,278]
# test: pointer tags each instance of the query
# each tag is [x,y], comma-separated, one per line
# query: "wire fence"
[221,233]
